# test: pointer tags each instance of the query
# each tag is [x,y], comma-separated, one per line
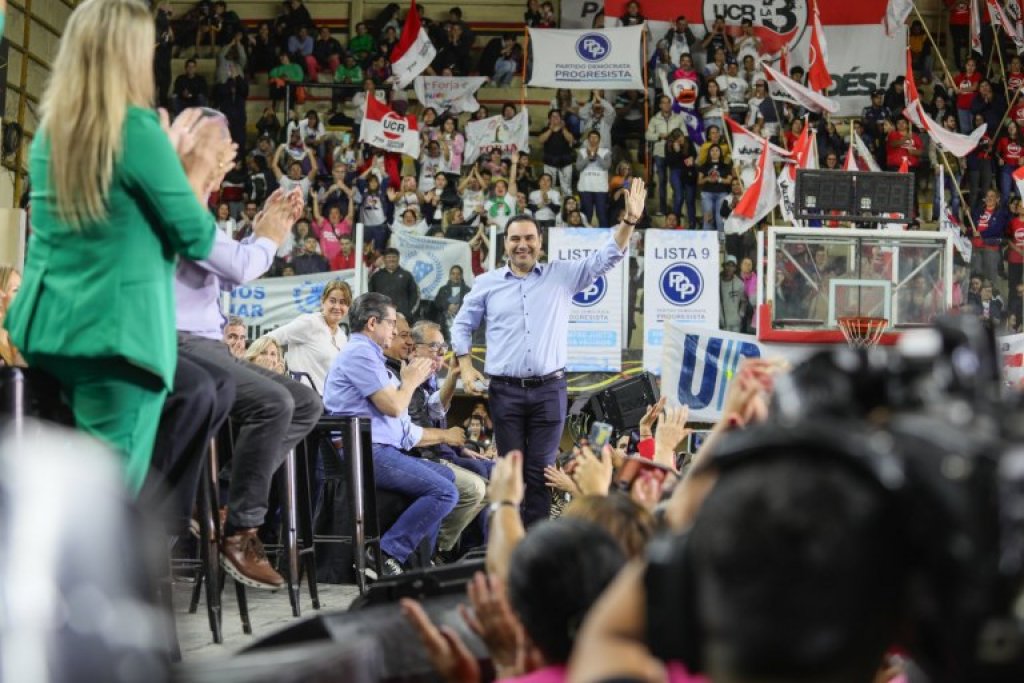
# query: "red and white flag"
[818,77]
[955,143]
[1018,179]
[896,14]
[976,28]
[1010,28]
[862,158]
[1013,11]
[805,156]
[414,51]
[759,199]
[386,129]
[747,146]
[802,95]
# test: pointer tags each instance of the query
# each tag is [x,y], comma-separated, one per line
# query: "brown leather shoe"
[243,558]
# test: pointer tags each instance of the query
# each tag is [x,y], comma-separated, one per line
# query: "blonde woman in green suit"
[117,196]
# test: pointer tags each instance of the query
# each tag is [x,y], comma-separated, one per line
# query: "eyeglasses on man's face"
[439,348]
[393,322]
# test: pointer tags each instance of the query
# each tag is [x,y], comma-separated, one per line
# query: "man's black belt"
[530,382]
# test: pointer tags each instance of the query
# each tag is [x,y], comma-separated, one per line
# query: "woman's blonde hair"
[257,348]
[6,271]
[104,64]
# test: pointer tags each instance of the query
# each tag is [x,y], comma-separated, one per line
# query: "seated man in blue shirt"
[359,383]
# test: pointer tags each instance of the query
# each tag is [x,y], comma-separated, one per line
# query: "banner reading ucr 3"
[598,58]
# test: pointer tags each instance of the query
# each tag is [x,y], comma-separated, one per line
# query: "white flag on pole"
[802,95]
[495,132]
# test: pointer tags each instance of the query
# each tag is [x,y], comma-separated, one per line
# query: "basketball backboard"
[812,277]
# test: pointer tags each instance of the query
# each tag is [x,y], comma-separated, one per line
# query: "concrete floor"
[268,612]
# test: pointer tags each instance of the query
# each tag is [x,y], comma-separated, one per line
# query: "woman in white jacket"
[314,339]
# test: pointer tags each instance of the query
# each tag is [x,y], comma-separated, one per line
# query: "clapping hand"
[279,213]
[417,371]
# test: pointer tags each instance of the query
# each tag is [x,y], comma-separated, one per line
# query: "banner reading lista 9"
[680,283]
[595,316]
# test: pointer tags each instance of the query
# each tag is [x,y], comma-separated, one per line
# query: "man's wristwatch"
[498,504]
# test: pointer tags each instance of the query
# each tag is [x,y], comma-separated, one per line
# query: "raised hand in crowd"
[746,403]
[505,491]
[672,430]
[558,479]
[493,621]
[445,649]
[593,474]
[646,427]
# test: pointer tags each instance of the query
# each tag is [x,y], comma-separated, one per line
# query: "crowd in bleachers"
[591,143]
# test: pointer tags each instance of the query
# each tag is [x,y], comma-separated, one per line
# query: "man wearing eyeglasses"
[359,383]
[526,309]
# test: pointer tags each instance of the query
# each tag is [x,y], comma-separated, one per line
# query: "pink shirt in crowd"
[328,236]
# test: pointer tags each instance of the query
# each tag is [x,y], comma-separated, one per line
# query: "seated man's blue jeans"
[429,483]
[480,467]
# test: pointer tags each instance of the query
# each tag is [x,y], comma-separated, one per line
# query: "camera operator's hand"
[445,649]
[593,475]
[507,479]
[494,622]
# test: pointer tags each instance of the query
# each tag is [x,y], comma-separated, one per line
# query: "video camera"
[929,423]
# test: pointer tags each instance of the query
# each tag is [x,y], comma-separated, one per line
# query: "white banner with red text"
[861,57]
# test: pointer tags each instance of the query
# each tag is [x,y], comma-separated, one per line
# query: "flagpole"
[647,113]
[992,57]
[935,47]
[526,58]
[959,191]
[1009,108]
[1002,64]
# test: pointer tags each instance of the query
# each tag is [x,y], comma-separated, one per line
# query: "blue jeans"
[591,202]
[1006,183]
[965,119]
[482,468]
[952,198]
[711,205]
[662,174]
[681,192]
[429,483]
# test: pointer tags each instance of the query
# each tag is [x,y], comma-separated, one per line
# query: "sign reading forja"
[680,283]
[595,315]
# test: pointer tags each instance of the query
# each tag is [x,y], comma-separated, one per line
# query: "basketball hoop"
[862,332]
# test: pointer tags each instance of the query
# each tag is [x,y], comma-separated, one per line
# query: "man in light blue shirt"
[526,308]
[359,383]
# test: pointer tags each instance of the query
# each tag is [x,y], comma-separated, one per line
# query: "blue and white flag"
[430,258]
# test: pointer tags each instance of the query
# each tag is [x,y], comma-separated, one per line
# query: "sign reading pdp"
[680,284]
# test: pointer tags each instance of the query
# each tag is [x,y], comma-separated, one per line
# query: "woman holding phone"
[117,195]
